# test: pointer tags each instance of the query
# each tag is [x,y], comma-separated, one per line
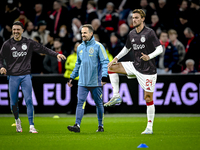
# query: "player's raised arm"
[121,54]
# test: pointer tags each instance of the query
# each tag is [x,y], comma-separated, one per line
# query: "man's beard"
[137,25]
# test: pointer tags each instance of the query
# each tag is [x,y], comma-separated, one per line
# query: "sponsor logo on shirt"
[19,54]
[138,46]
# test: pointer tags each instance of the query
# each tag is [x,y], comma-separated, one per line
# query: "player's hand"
[61,57]
[166,69]
[3,70]
[69,83]
[103,83]
[114,61]
[144,57]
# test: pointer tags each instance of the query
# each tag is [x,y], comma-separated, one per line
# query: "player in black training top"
[17,53]
[145,46]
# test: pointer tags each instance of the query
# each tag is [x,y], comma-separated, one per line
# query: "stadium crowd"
[56,24]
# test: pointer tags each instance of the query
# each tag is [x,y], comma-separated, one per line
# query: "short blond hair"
[140,11]
[172,31]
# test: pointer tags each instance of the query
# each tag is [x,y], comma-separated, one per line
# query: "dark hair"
[163,31]
[26,25]
[18,23]
[51,35]
[37,38]
[89,26]
[57,39]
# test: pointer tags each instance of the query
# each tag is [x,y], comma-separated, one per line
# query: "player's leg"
[147,82]
[97,96]
[82,95]
[114,79]
[148,96]
[26,86]
[14,82]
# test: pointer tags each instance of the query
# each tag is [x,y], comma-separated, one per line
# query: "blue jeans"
[26,86]
[96,93]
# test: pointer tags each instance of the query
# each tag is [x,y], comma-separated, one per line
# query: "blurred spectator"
[69,66]
[66,39]
[29,27]
[71,61]
[130,21]
[152,5]
[11,13]
[115,44]
[50,41]
[38,15]
[166,61]
[192,47]
[180,47]
[183,8]
[184,5]
[183,23]
[110,57]
[96,37]
[60,17]
[189,67]
[144,5]
[124,9]
[165,13]
[195,11]
[98,29]
[6,32]
[77,11]
[52,64]
[37,60]
[91,12]
[76,28]
[156,25]
[42,32]
[110,20]
[123,32]
[122,36]
[22,18]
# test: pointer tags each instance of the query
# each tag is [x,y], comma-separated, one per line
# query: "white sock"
[150,116]
[114,79]
[17,120]
[31,126]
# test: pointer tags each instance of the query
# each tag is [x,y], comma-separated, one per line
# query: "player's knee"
[148,98]
[110,69]
[29,102]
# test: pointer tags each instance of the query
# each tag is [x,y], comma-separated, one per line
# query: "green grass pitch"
[122,132]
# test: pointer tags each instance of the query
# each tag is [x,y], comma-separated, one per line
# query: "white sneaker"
[113,101]
[18,126]
[147,131]
[33,130]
